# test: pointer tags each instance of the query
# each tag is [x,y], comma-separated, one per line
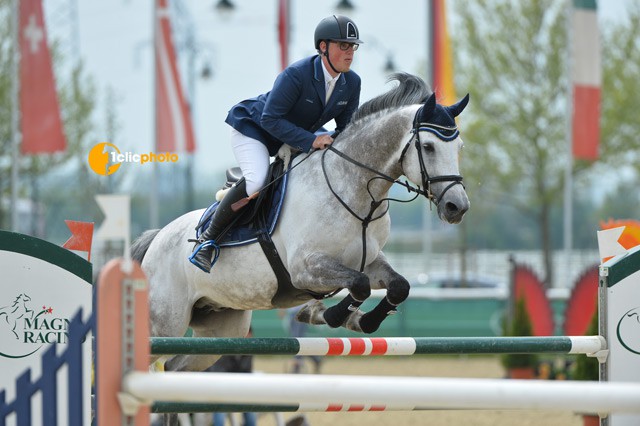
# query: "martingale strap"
[285,286]
[272,255]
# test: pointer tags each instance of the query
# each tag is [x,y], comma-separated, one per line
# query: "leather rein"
[444,133]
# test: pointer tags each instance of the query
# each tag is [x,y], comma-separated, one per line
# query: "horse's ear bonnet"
[456,109]
[443,116]
[440,120]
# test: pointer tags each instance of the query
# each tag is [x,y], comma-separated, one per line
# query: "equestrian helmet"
[337,28]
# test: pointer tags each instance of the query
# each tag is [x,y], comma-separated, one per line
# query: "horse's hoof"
[353,322]
[312,313]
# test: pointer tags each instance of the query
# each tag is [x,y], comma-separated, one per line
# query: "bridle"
[444,133]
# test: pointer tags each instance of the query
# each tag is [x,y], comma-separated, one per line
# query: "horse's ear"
[427,110]
[456,109]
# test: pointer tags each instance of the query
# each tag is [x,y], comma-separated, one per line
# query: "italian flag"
[586,77]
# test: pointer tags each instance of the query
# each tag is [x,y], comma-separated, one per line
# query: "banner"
[283,32]
[586,77]
[174,130]
[40,120]
[441,57]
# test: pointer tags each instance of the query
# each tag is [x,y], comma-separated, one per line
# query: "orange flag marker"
[81,237]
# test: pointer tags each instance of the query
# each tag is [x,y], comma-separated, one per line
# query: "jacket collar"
[318,72]
[319,83]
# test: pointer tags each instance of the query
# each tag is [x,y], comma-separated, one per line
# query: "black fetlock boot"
[221,219]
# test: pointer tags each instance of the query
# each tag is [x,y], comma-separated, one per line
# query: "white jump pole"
[409,392]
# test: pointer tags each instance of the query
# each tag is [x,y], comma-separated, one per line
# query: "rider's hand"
[322,141]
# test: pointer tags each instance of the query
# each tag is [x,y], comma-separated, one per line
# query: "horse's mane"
[410,90]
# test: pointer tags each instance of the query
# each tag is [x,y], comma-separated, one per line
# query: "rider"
[304,97]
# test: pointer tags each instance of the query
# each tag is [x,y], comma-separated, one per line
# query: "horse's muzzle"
[453,205]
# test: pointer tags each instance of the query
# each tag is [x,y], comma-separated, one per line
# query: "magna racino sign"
[25,326]
[42,288]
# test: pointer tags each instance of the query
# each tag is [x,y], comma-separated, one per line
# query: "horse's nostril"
[452,207]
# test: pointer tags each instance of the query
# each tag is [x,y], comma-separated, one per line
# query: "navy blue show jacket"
[295,107]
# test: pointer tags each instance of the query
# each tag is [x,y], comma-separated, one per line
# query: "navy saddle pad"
[257,217]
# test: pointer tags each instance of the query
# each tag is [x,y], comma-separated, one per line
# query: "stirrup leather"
[205,244]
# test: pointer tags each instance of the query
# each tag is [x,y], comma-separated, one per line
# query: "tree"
[620,144]
[511,57]
[519,326]
[622,203]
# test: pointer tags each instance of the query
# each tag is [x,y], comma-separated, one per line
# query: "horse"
[16,311]
[330,234]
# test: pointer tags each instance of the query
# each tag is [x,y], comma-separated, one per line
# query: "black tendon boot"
[222,217]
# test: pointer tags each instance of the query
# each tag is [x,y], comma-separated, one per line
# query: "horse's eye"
[429,147]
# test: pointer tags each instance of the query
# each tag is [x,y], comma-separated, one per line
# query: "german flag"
[441,58]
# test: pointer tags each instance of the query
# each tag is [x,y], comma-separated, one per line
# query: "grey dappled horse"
[331,231]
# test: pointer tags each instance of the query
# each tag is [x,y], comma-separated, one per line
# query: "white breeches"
[253,158]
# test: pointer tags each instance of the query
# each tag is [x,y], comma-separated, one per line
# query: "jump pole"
[377,346]
[619,287]
[405,392]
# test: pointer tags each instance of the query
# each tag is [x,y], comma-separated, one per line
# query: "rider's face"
[341,59]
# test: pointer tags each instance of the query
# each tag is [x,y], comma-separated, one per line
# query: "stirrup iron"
[216,254]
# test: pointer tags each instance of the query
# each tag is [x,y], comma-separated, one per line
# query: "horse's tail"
[141,244]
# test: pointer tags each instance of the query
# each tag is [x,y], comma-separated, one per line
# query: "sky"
[242,48]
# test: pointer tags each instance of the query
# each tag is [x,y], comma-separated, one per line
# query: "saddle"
[256,223]
[258,217]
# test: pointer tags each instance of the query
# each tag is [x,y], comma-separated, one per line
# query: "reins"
[426,179]
[366,220]
[244,201]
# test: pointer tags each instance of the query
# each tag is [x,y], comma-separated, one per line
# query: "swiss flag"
[174,131]
[40,122]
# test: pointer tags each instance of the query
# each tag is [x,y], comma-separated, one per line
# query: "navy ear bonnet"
[438,119]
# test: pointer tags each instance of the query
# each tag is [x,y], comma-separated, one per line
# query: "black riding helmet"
[337,28]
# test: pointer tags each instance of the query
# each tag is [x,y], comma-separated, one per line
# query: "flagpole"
[427,225]
[153,200]
[191,88]
[15,108]
[568,176]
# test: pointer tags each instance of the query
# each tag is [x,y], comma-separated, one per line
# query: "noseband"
[443,133]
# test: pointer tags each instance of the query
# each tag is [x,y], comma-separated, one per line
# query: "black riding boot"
[222,217]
